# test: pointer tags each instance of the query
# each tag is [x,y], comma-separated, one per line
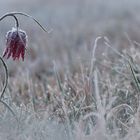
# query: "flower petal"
[16,44]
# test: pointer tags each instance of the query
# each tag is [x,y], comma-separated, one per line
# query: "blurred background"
[75,24]
[61,80]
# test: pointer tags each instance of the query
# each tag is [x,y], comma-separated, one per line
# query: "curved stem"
[6,78]
[4,88]
[26,15]
[17,23]
[10,14]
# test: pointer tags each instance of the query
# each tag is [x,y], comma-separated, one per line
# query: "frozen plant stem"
[4,88]
[16,20]
[6,78]
[26,15]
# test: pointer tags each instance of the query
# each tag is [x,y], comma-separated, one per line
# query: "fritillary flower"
[16,41]
[15,44]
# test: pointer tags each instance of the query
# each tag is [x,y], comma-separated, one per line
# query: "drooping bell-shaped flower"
[16,41]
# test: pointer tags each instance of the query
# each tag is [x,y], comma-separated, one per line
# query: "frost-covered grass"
[99,101]
[80,82]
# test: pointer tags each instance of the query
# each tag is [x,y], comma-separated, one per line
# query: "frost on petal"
[15,44]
